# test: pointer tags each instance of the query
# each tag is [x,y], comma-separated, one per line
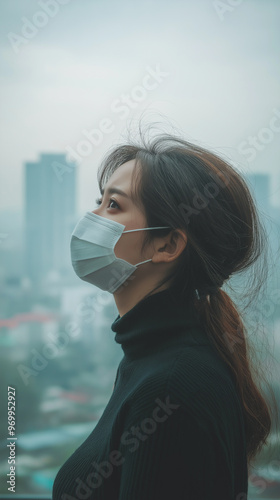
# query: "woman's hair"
[182,185]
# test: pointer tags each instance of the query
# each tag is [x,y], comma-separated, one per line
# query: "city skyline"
[57,88]
[61,171]
[35,241]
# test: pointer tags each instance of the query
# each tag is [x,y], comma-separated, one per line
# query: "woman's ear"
[168,248]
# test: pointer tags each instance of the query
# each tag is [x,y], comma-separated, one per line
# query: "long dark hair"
[182,185]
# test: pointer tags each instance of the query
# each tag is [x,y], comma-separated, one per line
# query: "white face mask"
[92,252]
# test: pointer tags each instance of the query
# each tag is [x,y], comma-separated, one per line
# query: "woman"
[185,417]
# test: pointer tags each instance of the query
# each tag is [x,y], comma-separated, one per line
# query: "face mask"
[92,252]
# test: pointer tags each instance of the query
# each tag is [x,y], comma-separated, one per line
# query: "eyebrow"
[113,190]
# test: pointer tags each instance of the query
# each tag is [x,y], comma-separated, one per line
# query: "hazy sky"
[210,68]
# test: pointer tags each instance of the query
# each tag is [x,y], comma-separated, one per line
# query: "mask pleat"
[82,250]
[84,267]
[88,231]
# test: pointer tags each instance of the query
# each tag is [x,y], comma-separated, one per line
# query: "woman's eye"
[99,201]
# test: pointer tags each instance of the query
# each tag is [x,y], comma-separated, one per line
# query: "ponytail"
[227,331]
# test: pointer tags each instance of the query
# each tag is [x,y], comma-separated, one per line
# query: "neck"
[126,297]
[162,319]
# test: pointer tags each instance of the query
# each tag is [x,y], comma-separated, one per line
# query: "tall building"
[259,185]
[50,215]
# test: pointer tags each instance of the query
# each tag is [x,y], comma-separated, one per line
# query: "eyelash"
[99,201]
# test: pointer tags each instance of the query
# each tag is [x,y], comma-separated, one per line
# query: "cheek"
[128,247]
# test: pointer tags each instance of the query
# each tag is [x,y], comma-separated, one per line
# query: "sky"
[208,69]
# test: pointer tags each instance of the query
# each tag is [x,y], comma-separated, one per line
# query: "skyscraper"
[50,215]
[260,187]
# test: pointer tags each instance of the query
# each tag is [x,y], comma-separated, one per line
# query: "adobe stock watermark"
[86,310]
[120,108]
[223,8]
[50,350]
[30,27]
[253,144]
[201,200]
[268,473]
[264,310]
[132,437]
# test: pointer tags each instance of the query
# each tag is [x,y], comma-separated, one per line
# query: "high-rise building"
[50,215]
[259,185]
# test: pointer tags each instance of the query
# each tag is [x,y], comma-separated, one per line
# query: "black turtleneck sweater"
[173,427]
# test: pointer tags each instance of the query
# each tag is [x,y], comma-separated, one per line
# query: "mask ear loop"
[145,228]
[144,261]
[142,229]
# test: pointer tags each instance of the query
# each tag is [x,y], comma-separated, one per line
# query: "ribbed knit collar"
[156,319]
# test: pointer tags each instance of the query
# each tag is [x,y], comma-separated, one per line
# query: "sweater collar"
[158,318]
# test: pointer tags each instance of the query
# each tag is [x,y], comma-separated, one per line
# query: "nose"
[95,211]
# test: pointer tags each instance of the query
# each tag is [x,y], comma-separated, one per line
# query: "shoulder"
[202,382]
[187,371]
[197,381]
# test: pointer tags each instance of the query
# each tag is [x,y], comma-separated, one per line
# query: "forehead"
[122,176]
